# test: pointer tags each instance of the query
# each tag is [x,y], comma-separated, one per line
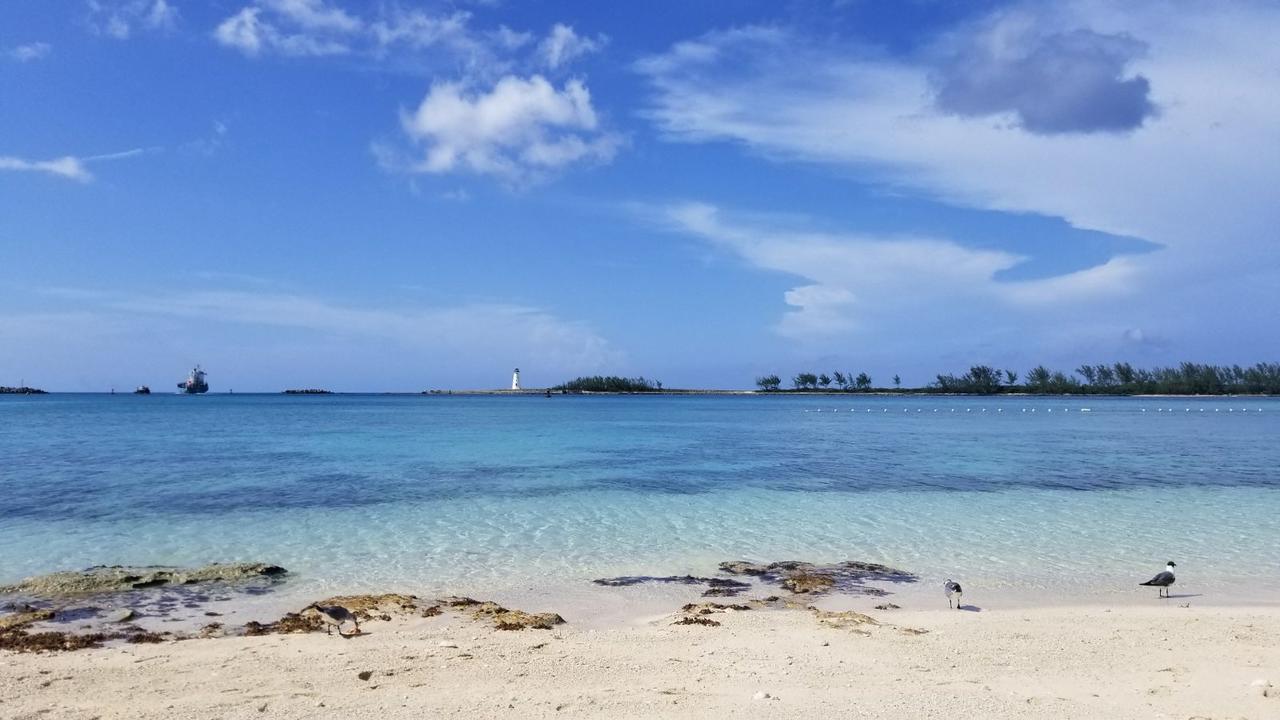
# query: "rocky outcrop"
[504,619]
[23,618]
[116,578]
[850,577]
[697,613]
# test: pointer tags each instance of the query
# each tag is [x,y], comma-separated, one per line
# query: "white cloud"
[31,51]
[562,46]
[1198,178]
[853,281]
[119,18]
[317,28]
[315,15]
[67,166]
[251,34]
[519,130]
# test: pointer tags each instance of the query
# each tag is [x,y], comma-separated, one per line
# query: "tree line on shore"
[610,383]
[1114,379]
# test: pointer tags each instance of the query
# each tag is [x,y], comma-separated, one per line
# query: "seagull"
[333,617]
[952,588]
[1163,580]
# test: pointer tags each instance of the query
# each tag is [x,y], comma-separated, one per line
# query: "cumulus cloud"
[30,52]
[69,167]
[521,129]
[1074,81]
[119,18]
[562,46]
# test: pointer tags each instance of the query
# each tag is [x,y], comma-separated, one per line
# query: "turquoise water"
[445,493]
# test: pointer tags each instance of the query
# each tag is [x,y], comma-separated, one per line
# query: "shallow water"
[1030,497]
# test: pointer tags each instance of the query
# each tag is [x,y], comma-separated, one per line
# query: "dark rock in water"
[808,582]
[716,587]
[119,616]
[455,601]
[888,606]
[807,578]
[104,579]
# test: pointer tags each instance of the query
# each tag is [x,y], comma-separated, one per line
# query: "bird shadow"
[1183,595]
[970,608]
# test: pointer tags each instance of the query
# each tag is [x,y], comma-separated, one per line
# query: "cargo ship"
[194,384]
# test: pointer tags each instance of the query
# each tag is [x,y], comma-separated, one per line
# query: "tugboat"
[194,384]
[144,390]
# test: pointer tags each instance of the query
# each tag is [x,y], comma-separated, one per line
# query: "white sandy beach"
[1157,661]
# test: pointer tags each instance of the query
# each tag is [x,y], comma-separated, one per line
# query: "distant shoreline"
[542,392]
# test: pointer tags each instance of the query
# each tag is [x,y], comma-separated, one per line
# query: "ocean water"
[1060,499]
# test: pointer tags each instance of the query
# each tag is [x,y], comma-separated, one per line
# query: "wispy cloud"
[67,166]
[454,342]
[563,45]
[30,52]
[119,19]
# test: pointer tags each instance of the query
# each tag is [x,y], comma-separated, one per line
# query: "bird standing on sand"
[952,589]
[333,616]
[1163,580]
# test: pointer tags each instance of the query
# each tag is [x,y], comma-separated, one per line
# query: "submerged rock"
[716,587]
[22,619]
[116,578]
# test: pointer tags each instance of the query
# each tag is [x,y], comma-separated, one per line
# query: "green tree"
[897,382]
[805,380]
[768,382]
[824,380]
[863,381]
[841,380]
[1010,377]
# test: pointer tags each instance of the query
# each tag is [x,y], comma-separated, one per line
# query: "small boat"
[195,383]
[142,390]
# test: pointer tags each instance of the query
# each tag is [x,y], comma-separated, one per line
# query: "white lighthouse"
[515,379]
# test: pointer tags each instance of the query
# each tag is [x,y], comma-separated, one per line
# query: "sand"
[1162,660]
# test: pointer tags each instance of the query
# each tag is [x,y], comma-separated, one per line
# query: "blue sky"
[410,195]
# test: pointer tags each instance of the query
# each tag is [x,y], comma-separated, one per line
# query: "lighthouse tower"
[515,379]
